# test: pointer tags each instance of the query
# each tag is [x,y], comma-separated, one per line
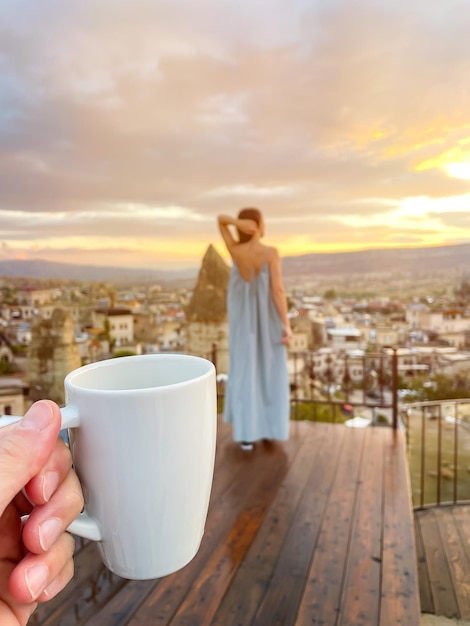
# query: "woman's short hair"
[248,214]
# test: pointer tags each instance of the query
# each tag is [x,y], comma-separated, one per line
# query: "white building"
[45,312]
[450,325]
[21,333]
[345,338]
[120,322]
[31,296]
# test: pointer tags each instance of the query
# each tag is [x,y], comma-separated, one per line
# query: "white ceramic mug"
[142,436]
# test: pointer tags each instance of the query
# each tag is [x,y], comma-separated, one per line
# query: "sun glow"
[456,162]
[459,170]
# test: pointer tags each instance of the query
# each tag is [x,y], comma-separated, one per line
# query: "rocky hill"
[208,302]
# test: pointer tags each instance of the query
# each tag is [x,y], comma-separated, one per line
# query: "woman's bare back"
[249,258]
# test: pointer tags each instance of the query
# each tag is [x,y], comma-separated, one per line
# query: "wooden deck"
[316,530]
[443,548]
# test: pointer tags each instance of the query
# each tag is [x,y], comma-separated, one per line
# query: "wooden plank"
[281,600]
[94,590]
[360,600]
[442,588]
[201,603]
[322,593]
[290,531]
[165,598]
[122,606]
[462,519]
[231,521]
[91,586]
[457,556]
[400,590]
[255,575]
[95,593]
[425,594]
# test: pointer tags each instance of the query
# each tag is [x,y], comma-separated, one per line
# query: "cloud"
[114,114]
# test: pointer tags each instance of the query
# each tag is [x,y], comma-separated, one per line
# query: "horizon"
[195,267]
[126,127]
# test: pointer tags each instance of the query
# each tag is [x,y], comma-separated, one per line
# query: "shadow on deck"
[316,530]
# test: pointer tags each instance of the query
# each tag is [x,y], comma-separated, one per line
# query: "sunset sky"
[126,126]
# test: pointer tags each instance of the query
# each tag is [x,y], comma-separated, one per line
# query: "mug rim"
[68,380]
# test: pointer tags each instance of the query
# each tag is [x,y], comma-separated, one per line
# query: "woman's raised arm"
[247,226]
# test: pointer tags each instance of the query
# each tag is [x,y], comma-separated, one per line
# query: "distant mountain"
[441,259]
[38,268]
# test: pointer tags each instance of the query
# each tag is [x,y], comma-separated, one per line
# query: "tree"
[107,333]
[5,367]
[436,387]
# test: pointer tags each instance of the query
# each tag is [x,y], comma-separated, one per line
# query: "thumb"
[25,448]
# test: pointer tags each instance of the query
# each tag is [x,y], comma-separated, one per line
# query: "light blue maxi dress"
[257,391]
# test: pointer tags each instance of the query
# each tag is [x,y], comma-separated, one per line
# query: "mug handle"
[84,525]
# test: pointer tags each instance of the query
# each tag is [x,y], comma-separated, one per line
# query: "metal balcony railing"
[438,435]
[334,386]
[328,385]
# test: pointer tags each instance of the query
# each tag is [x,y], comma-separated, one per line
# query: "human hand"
[35,558]
[250,227]
[286,334]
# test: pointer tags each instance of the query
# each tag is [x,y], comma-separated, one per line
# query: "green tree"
[120,353]
[5,367]
[435,387]
[330,294]
[107,333]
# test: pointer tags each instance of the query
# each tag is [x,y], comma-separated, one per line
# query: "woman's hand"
[243,225]
[286,334]
[250,227]
[36,478]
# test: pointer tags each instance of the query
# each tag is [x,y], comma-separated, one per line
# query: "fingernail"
[38,417]
[36,579]
[49,485]
[51,590]
[49,532]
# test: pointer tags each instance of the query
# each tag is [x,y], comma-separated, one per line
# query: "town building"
[12,396]
[117,322]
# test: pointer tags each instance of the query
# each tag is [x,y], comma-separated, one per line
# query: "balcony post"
[214,354]
[394,388]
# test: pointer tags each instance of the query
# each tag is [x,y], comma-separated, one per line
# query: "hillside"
[48,270]
[417,261]
[412,261]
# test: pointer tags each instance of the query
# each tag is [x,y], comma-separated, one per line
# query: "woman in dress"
[257,392]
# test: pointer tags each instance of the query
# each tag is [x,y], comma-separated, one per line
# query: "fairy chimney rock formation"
[52,354]
[206,314]
[209,300]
